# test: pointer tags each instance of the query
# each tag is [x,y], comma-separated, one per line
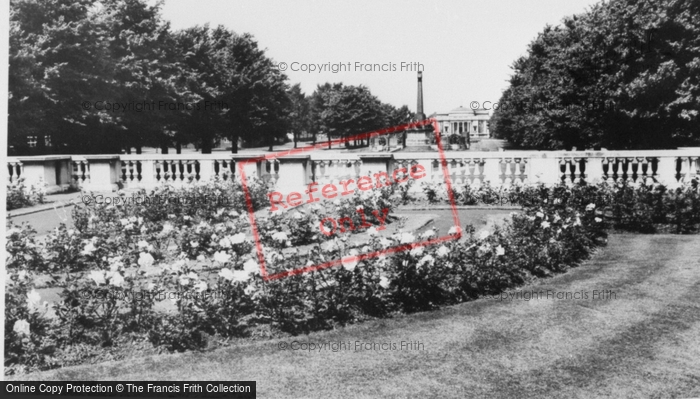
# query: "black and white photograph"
[351,199]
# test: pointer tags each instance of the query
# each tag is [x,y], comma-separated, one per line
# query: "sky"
[464,47]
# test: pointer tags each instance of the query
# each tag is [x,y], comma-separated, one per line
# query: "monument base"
[419,137]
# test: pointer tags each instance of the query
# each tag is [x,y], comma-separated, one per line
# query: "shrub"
[207,272]
[21,196]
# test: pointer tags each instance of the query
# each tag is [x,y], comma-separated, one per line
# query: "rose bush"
[21,196]
[176,277]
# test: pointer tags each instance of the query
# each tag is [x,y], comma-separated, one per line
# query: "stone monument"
[419,136]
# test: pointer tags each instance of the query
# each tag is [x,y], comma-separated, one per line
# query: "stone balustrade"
[108,172]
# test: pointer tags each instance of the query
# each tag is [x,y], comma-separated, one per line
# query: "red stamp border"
[336,262]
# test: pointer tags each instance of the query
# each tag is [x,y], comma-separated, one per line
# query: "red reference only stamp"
[315,192]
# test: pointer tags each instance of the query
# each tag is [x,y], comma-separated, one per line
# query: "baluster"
[436,174]
[506,172]
[158,171]
[519,176]
[631,170]
[468,171]
[16,171]
[644,170]
[462,172]
[356,167]
[635,169]
[618,170]
[170,173]
[563,171]
[693,168]
[685,169]
[319,171]
[81,172]
[480,169]
[577,167]
[451,171]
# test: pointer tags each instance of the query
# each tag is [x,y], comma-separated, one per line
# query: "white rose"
[117,280]
[241,276]
[427,259]
[88,249]
[415,252]
[280,236]
[225,242]
[384,282]
[237,238]
[350,262]
[33,300]
[251,266]
[201,286]
[428,234]
[226,274]
[221,257]
[21,327]
[249,290]
[500,251]
[167,228]
[98,276]
[145,259]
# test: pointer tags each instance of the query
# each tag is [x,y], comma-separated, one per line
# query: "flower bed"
[121,262]
[21,196]
[631,207]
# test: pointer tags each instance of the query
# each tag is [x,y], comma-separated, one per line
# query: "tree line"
[623,75]
[70,59]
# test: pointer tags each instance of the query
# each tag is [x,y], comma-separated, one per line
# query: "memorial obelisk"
[419,136]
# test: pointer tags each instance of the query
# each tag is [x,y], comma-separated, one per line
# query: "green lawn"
[644,342]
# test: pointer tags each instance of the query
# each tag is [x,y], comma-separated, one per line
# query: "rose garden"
[171,275]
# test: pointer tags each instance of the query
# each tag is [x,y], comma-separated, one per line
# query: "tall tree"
[146,70]
[350,110]
[622,75]
[230,69]
[300,112]
[58,61]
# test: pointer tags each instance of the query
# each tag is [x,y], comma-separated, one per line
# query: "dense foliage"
[21,196]
[341,111]
[110,75]
[632,207]
[173,276]
[623,75]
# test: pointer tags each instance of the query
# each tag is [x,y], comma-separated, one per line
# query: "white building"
[474,122]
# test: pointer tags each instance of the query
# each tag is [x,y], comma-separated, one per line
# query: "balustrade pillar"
[544,170]
[206,170]
[666,171]
[492,171]
[104,172]
[51,172]
[594,170]
[293,173]
[148,173]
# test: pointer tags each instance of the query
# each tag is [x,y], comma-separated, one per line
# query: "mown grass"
[641,343]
